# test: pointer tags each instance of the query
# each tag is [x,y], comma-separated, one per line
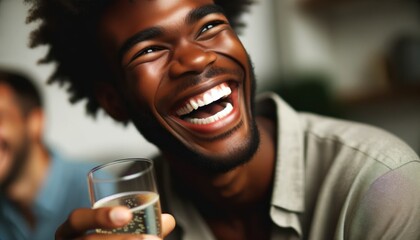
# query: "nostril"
[194,61]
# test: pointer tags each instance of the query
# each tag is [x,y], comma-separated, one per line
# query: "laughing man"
[232,165]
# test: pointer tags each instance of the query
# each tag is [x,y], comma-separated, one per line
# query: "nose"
[190,58]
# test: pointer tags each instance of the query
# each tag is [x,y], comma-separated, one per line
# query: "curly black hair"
[68,28]
[27,92]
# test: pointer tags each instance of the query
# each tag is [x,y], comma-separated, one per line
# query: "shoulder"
[359,160]
[374,174]
[72,170]
[374,143]
[67,161]
[390,208]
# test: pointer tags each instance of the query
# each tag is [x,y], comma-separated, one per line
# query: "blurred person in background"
[39,187]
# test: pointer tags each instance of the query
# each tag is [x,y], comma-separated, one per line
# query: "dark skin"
[236,204]
[235,190]
[176,44]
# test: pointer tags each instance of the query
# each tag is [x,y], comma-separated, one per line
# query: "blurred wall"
[101,139]
[343,39]
[348,43]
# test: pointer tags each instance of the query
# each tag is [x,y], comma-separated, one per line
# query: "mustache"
[210,73]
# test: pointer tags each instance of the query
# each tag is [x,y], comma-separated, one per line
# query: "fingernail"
[120,215]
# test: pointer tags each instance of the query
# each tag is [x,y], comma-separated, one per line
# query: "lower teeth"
[228,108]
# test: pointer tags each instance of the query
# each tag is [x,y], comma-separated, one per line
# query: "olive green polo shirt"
[334,179]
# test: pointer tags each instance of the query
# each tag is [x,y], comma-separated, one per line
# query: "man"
[38,187]
[228,169]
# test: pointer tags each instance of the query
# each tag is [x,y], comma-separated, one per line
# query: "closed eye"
[146,51]
[210,25]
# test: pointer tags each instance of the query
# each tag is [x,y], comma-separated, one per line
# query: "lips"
[207,107]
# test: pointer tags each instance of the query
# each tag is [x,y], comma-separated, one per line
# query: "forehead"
[126,17]
[7,96]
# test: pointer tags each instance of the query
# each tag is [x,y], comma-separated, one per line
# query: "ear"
[35,122]
[111,101]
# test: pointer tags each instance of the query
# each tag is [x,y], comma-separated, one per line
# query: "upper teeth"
[226,110]
[204,99]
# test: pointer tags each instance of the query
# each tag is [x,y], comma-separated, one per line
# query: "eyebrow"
[143,35]
[193,16]
[198,13]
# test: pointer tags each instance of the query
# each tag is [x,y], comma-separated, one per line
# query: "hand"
[84,219]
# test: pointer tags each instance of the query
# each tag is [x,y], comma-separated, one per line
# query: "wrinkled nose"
[190,58]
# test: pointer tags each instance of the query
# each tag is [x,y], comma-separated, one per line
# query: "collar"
[288,188]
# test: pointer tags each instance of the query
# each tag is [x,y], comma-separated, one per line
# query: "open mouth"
[208,107]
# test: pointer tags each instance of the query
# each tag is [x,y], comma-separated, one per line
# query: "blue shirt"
[65,189]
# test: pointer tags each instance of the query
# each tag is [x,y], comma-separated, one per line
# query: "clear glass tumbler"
[130,182]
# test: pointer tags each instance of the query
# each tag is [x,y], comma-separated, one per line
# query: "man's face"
[187,78]
[13,137]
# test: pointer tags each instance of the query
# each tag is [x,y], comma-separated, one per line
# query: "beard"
[152,131]
[19,161]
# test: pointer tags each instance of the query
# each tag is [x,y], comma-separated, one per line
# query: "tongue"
[207,111]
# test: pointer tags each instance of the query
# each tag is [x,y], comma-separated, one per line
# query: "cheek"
[144,81]
[228,44]
[11,129]
[12,141]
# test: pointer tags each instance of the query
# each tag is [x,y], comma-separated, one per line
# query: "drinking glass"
[129,182]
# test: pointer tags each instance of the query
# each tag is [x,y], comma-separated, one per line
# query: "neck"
[245,186]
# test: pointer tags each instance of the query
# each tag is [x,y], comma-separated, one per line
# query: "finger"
[168,224]
[84,219]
